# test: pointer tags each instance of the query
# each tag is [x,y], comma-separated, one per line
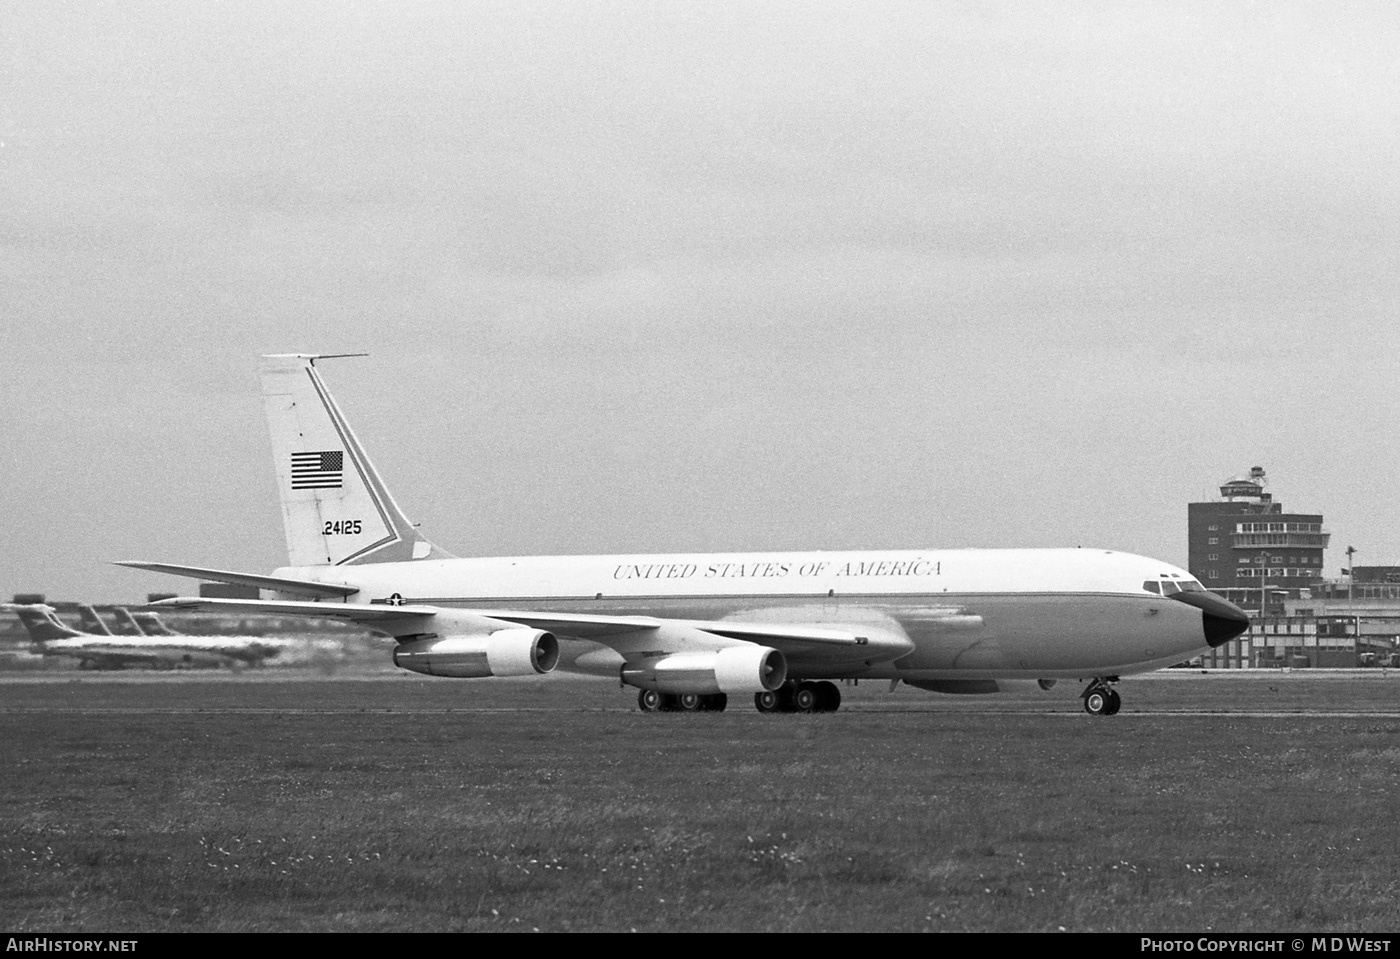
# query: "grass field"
[235,803]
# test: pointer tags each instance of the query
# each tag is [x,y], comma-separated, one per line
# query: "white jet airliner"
[688,630]
[253,650]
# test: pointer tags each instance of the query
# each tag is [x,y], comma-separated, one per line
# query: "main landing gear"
[650,701]
[800,697]
[1100,698]
[791,697]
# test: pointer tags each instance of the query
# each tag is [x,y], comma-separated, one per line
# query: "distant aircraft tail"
[148,623]
[335,508]
[42,624]
[91,622]
[129,624]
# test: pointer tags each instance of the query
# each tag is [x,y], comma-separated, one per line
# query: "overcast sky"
[674,277]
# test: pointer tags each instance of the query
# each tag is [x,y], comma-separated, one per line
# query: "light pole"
[1351,600]
[1263,581]
[1263,604]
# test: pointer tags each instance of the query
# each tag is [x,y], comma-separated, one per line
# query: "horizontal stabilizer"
[302,587]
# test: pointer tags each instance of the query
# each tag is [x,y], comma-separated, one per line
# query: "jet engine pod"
[734,669]
[506,652]
[749,669]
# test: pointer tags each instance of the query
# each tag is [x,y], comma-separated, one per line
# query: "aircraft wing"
[626,634]
[354,612]
[598,628]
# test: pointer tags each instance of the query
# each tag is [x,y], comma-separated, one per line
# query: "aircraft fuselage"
[970,614]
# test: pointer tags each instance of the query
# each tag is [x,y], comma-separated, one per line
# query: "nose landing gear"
[1100,698]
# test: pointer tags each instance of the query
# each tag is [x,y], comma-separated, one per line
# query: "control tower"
[1245,547]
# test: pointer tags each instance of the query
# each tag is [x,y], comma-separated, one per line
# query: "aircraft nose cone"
[1221,620]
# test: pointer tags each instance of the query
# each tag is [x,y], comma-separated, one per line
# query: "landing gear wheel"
[828,697]
[767,701]
[804,698]
[689,702]
[1100,698]
[714,703]
[649,701]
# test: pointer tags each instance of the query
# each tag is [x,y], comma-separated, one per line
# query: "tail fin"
[43,626]
[91,622]
[335,508]
[149,623]
[130,625]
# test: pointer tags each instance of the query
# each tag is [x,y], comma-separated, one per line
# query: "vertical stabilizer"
[90,622]
[42,625]
[127,624]
[149,623]
[335,508]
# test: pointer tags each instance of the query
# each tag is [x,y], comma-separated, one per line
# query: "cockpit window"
[1151,586]
[1191,586]
[1169,588]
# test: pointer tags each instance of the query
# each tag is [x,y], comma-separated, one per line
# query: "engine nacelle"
[506,652]
[734,669]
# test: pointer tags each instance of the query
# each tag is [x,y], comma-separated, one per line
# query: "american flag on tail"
[323,469]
